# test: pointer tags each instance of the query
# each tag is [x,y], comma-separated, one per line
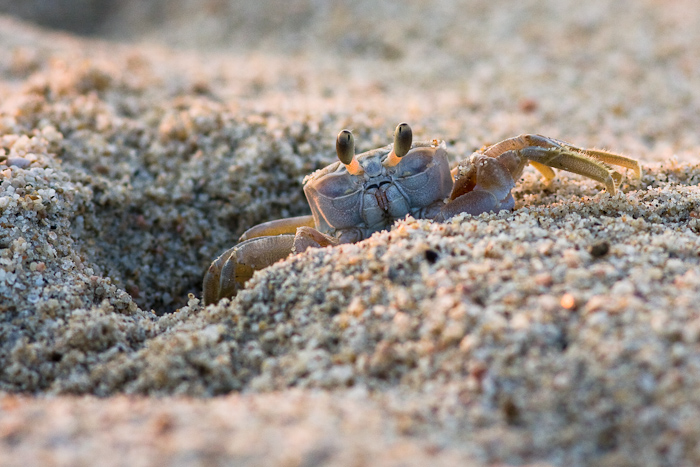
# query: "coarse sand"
[565,332]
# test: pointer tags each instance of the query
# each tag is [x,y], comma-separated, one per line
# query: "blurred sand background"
[139,139]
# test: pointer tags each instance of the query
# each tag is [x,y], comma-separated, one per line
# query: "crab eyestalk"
[403,137]
[345,148]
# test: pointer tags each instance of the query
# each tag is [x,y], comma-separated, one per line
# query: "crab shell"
[353,207]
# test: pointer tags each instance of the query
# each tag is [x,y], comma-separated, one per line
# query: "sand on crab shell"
[565,332]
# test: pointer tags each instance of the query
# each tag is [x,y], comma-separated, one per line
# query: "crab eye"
[403,138]
[345,148]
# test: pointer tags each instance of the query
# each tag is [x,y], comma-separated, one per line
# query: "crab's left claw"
[484,182]
[484,187]
[474,203]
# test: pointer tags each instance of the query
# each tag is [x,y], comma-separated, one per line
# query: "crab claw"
[230,271]
[484,187]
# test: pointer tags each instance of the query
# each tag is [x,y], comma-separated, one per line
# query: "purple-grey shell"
[353,207]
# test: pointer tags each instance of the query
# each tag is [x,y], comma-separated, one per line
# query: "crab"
[359,195]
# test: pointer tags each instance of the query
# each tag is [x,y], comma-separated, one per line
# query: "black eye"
[345,146]
[403,137]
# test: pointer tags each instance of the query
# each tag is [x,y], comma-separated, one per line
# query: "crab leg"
[559,155]
[527,140]
[278,227]
[512,144]
[577,163]
[546,171]
[611,158]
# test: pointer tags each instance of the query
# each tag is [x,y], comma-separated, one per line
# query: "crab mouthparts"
[378,190]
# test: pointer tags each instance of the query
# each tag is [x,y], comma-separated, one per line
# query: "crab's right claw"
[229,272]
[308,237]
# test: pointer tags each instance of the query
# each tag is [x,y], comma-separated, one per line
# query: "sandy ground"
[566,332]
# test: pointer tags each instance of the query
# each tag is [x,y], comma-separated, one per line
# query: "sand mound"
[564,332]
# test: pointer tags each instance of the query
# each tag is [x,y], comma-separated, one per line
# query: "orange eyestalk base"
[354,167]
[392,159]
[403,137]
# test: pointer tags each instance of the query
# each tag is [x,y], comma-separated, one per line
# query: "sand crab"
[362,194]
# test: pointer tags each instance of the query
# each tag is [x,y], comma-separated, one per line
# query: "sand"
[565,332]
